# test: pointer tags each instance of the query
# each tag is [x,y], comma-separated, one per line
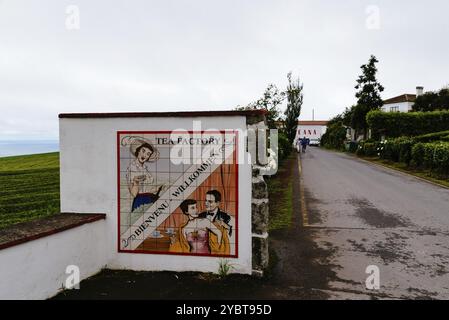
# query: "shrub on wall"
[396,124]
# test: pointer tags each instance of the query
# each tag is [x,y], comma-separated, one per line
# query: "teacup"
[156,233]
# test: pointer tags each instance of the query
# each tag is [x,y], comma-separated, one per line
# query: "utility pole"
[313,114]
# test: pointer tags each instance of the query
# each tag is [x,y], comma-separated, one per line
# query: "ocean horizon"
[10,148]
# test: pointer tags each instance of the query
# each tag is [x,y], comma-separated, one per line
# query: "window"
[394,109]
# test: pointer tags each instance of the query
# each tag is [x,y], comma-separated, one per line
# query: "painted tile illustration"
[178,193]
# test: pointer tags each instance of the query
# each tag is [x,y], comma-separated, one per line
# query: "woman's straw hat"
[135,142]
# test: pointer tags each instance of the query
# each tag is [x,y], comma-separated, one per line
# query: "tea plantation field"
[29,187]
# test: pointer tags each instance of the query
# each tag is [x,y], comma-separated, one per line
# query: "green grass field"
[29,187]
[280,190]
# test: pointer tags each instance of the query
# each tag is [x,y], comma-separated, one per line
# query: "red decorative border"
[236,195]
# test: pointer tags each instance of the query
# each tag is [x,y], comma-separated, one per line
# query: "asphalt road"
[361,214]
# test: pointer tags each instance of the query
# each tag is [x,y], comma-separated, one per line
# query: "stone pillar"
[264,162]
[259,220]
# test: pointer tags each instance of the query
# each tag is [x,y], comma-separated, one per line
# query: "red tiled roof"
[402,98]
[313,122]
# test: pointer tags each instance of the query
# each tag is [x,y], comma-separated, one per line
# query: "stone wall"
[259,213]
[264,162]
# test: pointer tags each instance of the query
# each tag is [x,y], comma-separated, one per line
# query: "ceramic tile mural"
[178,193]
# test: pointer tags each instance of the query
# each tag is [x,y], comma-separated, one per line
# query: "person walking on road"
[298,145]
[304,143]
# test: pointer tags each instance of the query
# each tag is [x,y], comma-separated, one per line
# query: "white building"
[402,103]
[311,129]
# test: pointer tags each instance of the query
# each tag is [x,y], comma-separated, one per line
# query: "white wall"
[403,106]
[37,269]
[320,130]
[89,184]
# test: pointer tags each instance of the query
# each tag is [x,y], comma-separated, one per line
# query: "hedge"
[413,151]
[433,156]
[367,148]
[334,137]
[396,124]
[351,146]
[430,137]
[400,149]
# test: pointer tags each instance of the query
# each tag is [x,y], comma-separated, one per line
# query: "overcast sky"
[206,55]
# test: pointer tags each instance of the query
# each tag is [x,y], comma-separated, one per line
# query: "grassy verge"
[29,187]
[280,189]
[423,174]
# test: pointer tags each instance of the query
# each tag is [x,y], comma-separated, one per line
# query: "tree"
[335,134]
[347,116]
[358,119]
[271,99]
[368,95]
[338,119]
[295,99]
[431,101]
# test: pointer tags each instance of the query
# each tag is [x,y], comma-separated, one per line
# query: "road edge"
[302,198]
[391,168]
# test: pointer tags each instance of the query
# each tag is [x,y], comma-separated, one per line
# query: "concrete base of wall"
[39,269]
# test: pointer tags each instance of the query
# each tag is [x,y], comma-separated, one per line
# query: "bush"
[368,148]
[433,156]
[440,161]
[397,150]
[430,137]
[360,150]
[285,147]
[396,124]
[335,137]
[418,154]
[428,155]
[405,149]
[391,151]
[352,146]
